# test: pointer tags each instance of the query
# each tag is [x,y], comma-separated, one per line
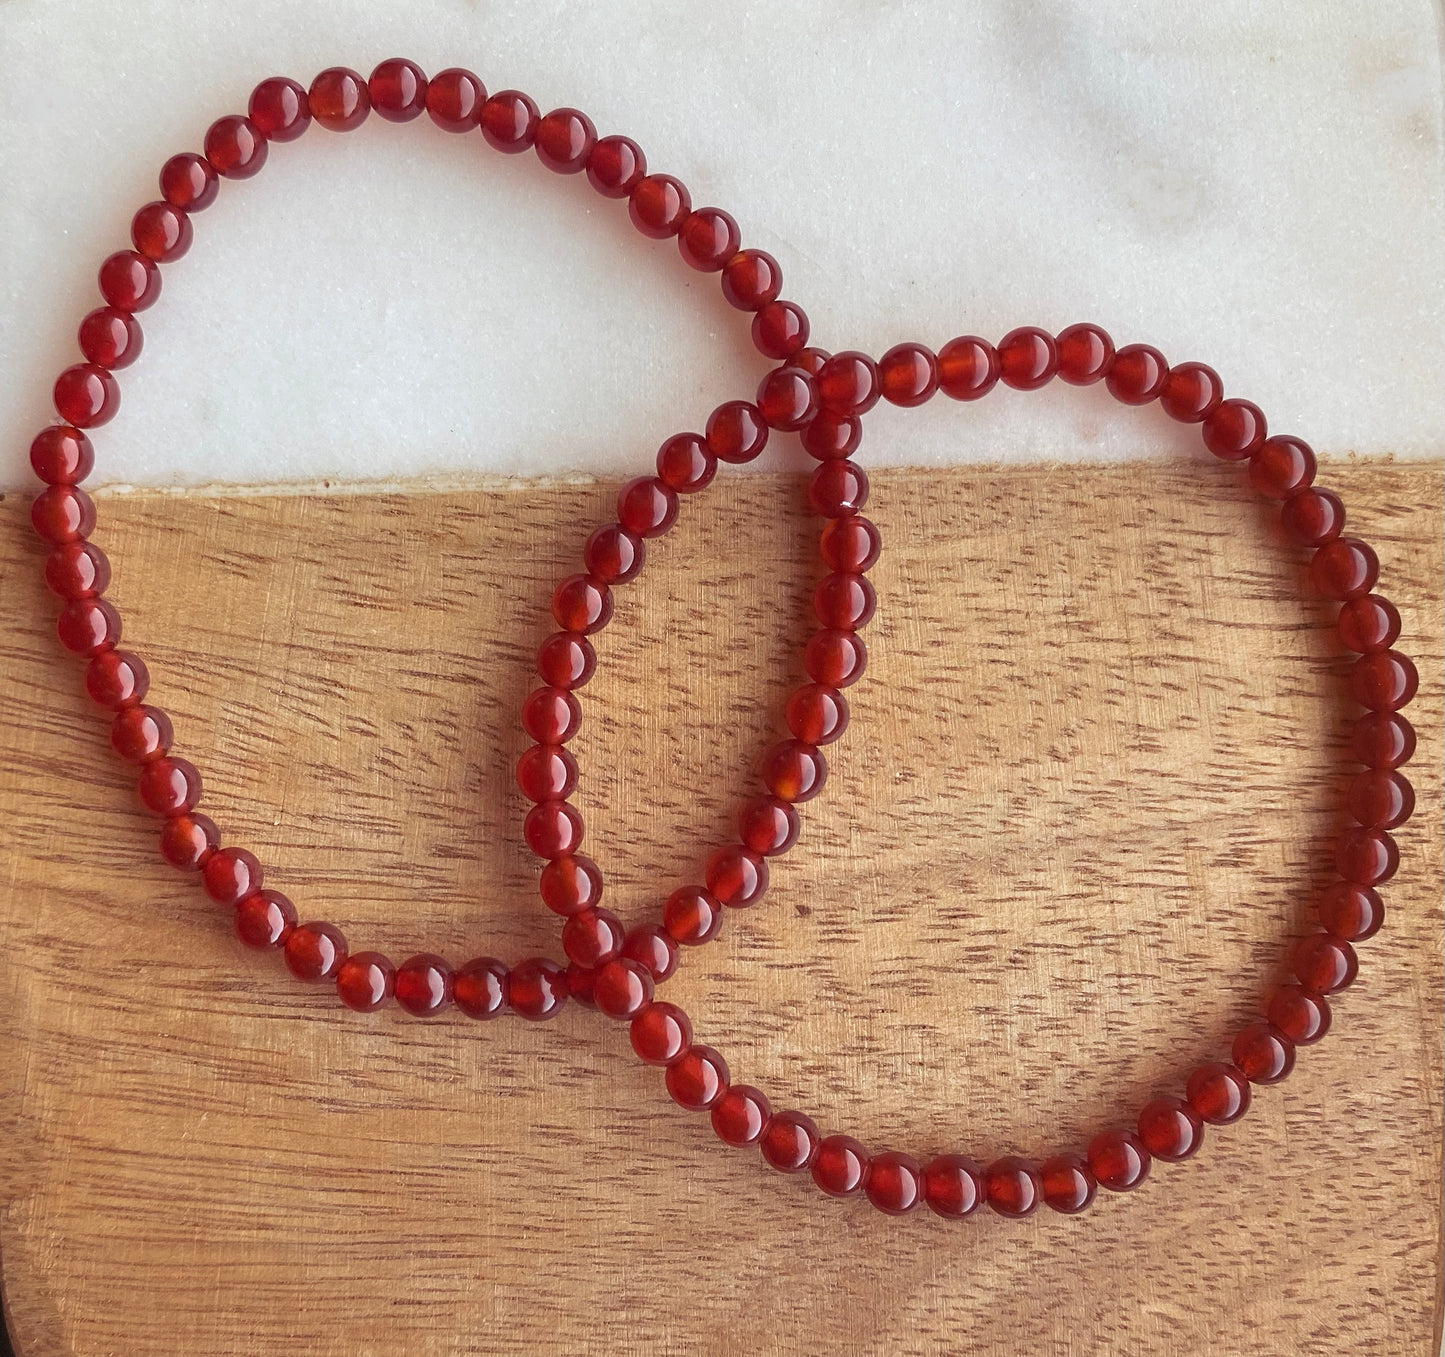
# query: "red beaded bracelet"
[823,397]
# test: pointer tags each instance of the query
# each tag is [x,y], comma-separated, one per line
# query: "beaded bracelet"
[823,397]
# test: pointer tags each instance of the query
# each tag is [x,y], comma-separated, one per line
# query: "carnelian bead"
[810,360]
[751,279]
[169,786]
[479,988]
[895,1183]
[397,90]
[768,825]
[315,951]
[697,1079]
[741,1115]
[1352,913]
[787,398]
[817,714]
[838,488]
[1192,392]
[365,981]
[116,679]
[566,660]
[230,875]
[1027,358]
[907,375]
[537,989]
[1313,517]
[1219,1092]
[844,602]
[840,1166]
[1263,1054]
[454,99]
[63,513]
[736,432]
[658,205]
[1170,1129]
[62,455]
[565,138]
[547,772]
[616,166]
[686,464]
[141,734]
[111,338]
[189,841]
[848,383]
[553,829]
[1282,468]
[265,920]
[551,715]
[736,876]
[88,625]
[1384,680]
[582,603]
[1324,963]
[691,916]
[424,984]
[708,238]
[188,181]
[1301,1014]
[953,1186]
[1234,430]
[1367,857]
[794,771]
[339,99]
[623,987]
[129,281]
[278,110]
[161,232]
[1067,1183]
[509,122]
[1118,1159]
[649,946]
[1382,739]
[780,329]
[1085,352]
[593,937]
[1345,568]
[968,367]
[646,506]
[86,395]
[837,658]
[1011,1186]
[77,570]
[1381,799]
[789,1141]
[850,544]
[1368,623]
[1137,374]
[580,982]
[571,884]
[235,147]
[827,436]
[661,1034]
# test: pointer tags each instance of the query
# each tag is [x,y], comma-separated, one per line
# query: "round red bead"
[1282,468]
[1067,1183]
[968,367]
[1170,1128]
[1219,1092]
[315,951]
[612,556]
[1313,517]
[592,937]
[235,147]
[697,1079]
[751,279]
[63,513]
[827,436]
[616,166]
[140,734]
[1262,1053]
[116,679]
[686,463]
[650,946]
[780,329]
[509,122]
[1382,739]
[1384,680]
[566,660]
[768,825]
[1381,799]
[658,205]
[189,182]
[265,920]
[547,772]
[551,715]
[661,1034]
[581,603]
[708,238]
[339,99]
[1344,568]
[571,884]
[1367,857]
[1119,1160]
[279,110]
[623,988]
[397,90]
[564,140]
[789,1141]
[850,544]
[1011,1186]
[365,981]
[537,989]
[741,1116]
[77,570]
[1368,623]
[1352,913]
[1137,374]
[844,602]
[1301,1014]
[787,398]
[553,829]
[1192,392]
[88,625]
[907,375]
[62,455]
[454,99]
[736,432]
[424,984]
[1027,358]
[86,395]
[479,988]
[111,338]
[895,1183]
[691,916]
[129,281]
[834,657]
[169,786]
[1325,963]
[840,1166]
[838,488]
[794,771]
[646,506]
[189,841]
[953,1186]
[1085,352]
[230,875]
[848,383]
[817,714]
[737,877]
[161,232]
[1235,430]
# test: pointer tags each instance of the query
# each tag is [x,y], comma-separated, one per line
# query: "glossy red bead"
[768,825]
[1345,568]
[86,395]
[1085,353]
[707,239]
[63,513]
[736,876]
[850,544]
[1235,430]
[623,987]
[616,166]
[564,140]
[188,181]
[235,147]
[810,360]
[1325,963]
[817,714]
[1067,1183]
[566,660]
[828,436]
[646,506]
[1313,517]
[278,110]
[1192,392]
[593,937]
[547,772]
[789,1141]
[454,99]
[1381,799]
[479,988]
[161,232]
[844,602]
[551,715]
[1170,1128]
[365,981]
[1027,358]
[1300,1013]
[794,771]
[129,281]
[837,658]
[116,679]
[582,603]
[1282,468]
[697,1079]
[968,367]
[1367,857]
[140,734]
[787,398]
[895,1183]
[840,1166]
[425,984]
[661,1034]
[88,625]
[62,455]
[1218,1092]
[1137,374]
[1384,680]
[1382,739]
[537,989]
[509,122]
[188,842]
[741,1115]
[751,279]
[658,205]
[1011,1186]
[397,90]
[953,1186]
[111,338]
[1368,623]
[580,982]
[736,432]
[691,916]
[315,951]
[553,829]
[570,884]
[339,99]
[686,464]
[780,329]
[230,875]
[169,786]
[77,570]
[838,488]
[907,375]
[1118,1159]
[848,383]
[265,920]
[650,946]
[1262,1053]
[1351,913]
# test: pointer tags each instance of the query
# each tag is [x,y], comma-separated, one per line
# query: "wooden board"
[1085,802]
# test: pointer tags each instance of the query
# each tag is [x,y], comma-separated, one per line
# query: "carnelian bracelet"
[822,397]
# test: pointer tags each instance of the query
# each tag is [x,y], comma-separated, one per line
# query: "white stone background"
[1257,186]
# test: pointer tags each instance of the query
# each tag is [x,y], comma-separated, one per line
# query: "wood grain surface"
[1086,800]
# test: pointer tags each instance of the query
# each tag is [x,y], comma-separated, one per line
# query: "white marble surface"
[1257,186]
